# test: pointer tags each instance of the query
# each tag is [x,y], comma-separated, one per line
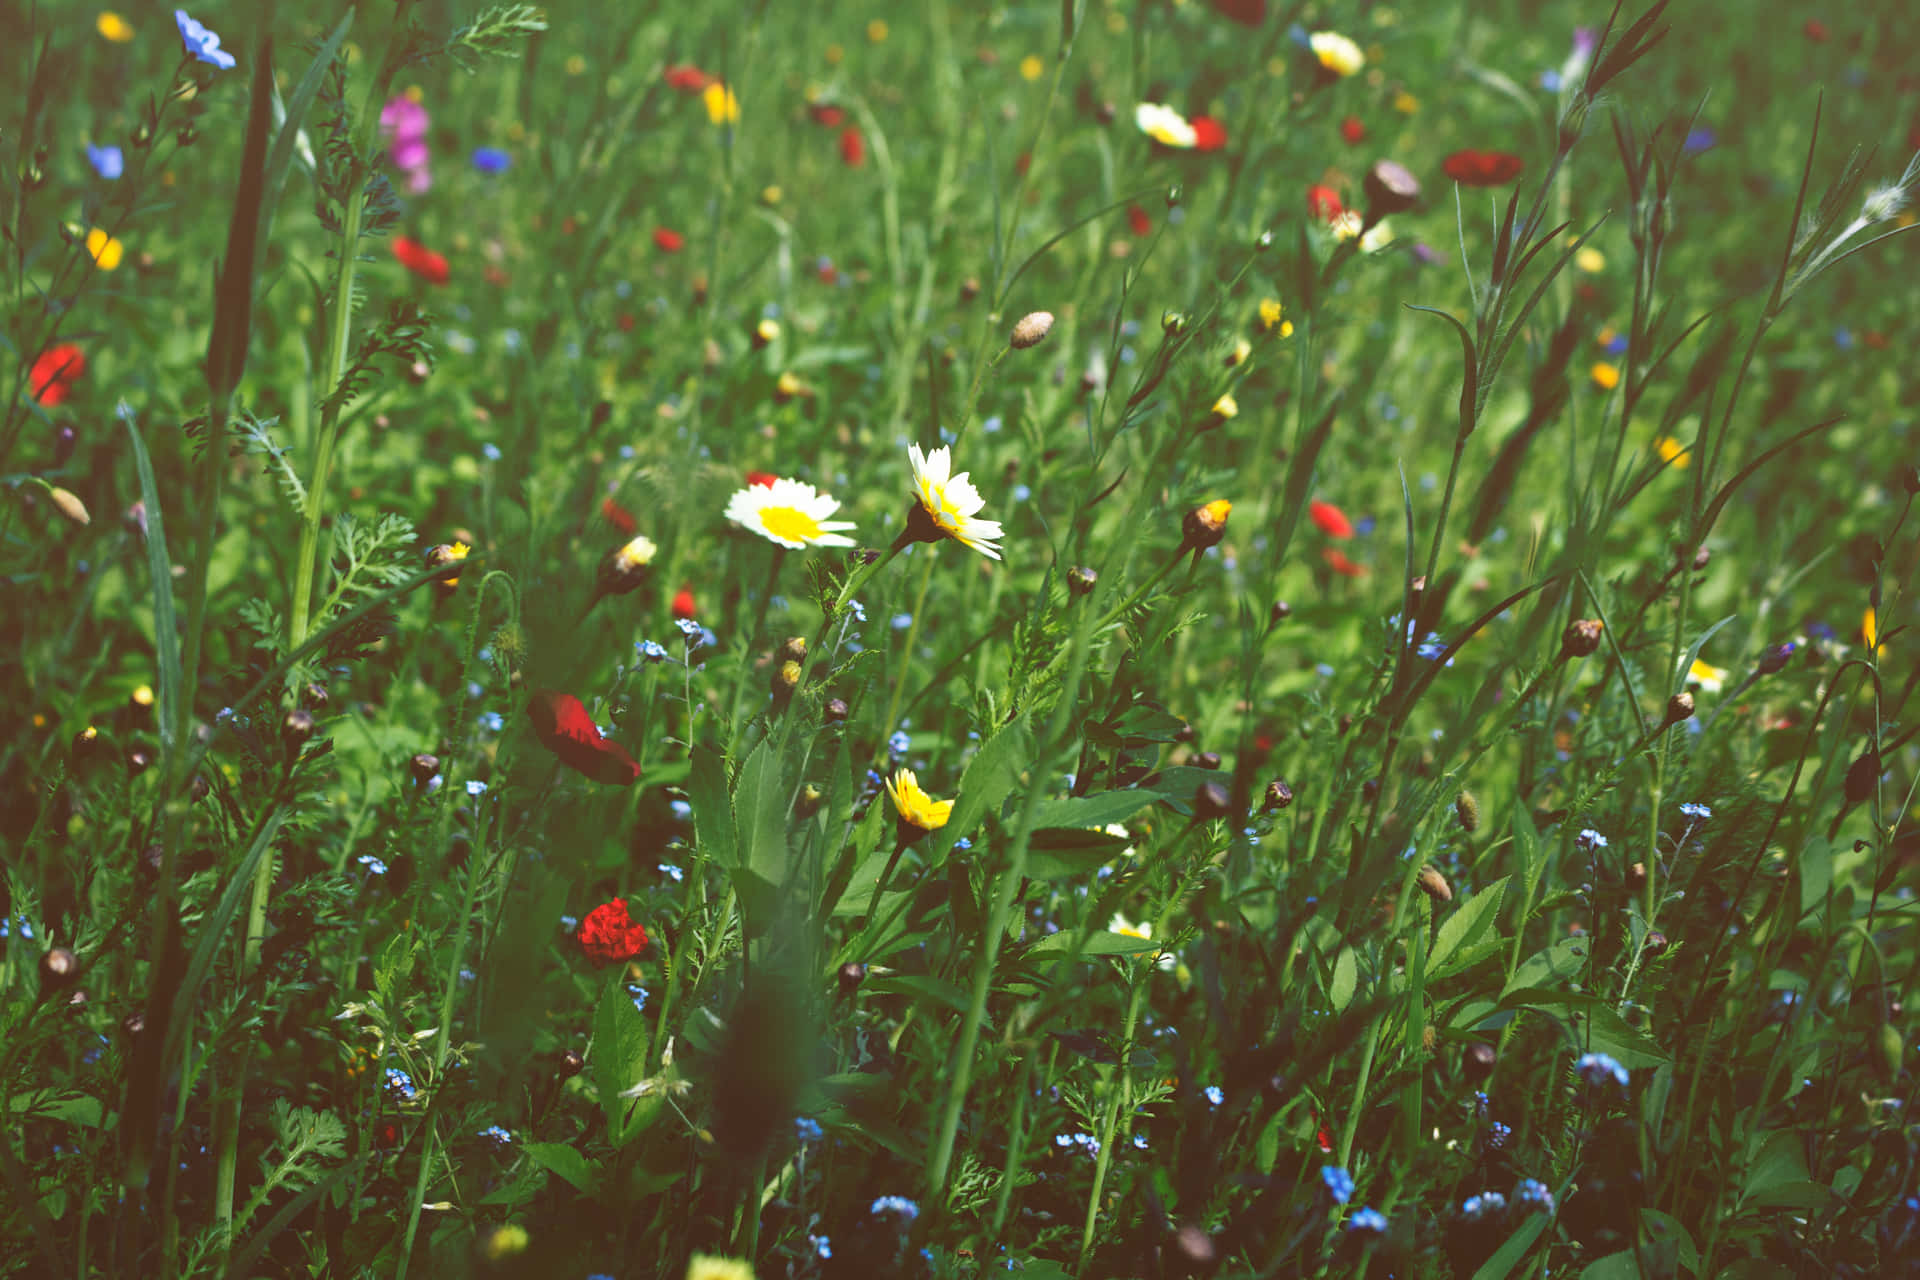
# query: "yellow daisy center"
[790,523]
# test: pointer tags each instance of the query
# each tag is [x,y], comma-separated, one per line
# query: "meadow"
[794,640]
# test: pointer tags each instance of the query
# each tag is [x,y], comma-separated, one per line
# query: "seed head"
[1467,809]
[58,967]
[1775,659]
[1434,884]
[1679,707]
[1081,580]
[836,710]
[424,766]
[794,649]
[1031,330]
[1580,639]
[1279,795]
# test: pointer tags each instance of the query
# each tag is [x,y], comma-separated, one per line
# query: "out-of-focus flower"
[564,728]
[1598,1069]
[1590,260]
[1475,168]
[789,513]
[54,372]
[1605,376]
[1273,318]
[688,78]
[1137,220]
[112,26]
[1870,629]
[1338,1183]
[1353,130]
[1032,68]
[609,935]
[853,147]
[899,1206]
[1329,519]
[1204,526]
[107,162]
[682,607]
[1164,125]
[1698,812]
[105,251]
[200,42]
[1367,1221]
[491,160]
[918,812]
[1674,453]
[625,567]
[667,240]
[1208,134]
[708,1267]
[947,505]
[421,261]
[1336,53]
[1323,202]
[722,106]
[1342,564]
[1710,678]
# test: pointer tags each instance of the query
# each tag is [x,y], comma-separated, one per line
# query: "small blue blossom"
[807,1130]
[1598,1068]
[490,451]
[400,1085]
[1498,1135]
[1550,80]
[681,809]
[1321,668]
[1485,1205]
[899,743]
[1589,840]
[1364,525]
[991,424]
[372,864]
[500,1136]
[1214,1095]
[491,721]
[434,783]
[906,1208]
[1367,1220]
[475,689]
[1700,138]
[491,160]
[639,994]
[1616,345]
[1083,1141]
[651,650]
[690,629]
[822,1246]
[1843,338]
[1533,1194]
[858,610]
[1338,1182]
[202,43]
[106,161]
[475,787]
[1140,1141]
[672,872]
[961,844]
[569,923]
[1698,811]
[901,621]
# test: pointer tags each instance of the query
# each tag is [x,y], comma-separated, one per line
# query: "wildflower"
[1353,131]
[947,505]
[898,743]
[496,1134]
[422,261]
[1343,564]
[1323,203]
[1336,53]
[1214,1095]
[651,650]
[113,27]
[200,42]
[1164,125]
[1224,408]
[1031,330]
[807,1130]
[1391,188]
[625,567]
[1474,168]
[1605,376]
[1366,1220]
[1775,659]
[1699,138]
[1679,707]
[1674,453]
[108,162]
[1208,134]
[667,240]
[1241,350]
[707,1267]
[1599,1068]
[1127,928]
[1137,220]
[1532,1194]
[491,160]
[1870,629]
[609,935]
[683,608]
[1589,260]
[1487,1204]
[564,728]
[1338,1182]
[1272,318]
[54,372]
[399,1085]
[790,513]
[105,251]
[722,106]
[853,147]
[916,812]
[900,1205]
[1698,812]
[475,787]
[1499,1134]
[1032,68]
[1434,884]
[687,78]
[1589,840]
[1708,678]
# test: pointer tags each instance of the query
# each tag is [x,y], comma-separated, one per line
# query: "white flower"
[947,505]
[791,513]
[1336,53]
[1164,125]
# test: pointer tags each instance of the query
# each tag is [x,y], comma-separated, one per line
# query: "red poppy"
[1323,202]
[422,261]
[825,113]
[683,601]
[688,78]
[1483,168]
[55,370]
[1352,130]
[1138,220]
[618,516]
[853,147]
[668,241]
[764,479]
[1208,134]
[609,935]
[386,1135]
[1332,520]
[1251,12]
[564,728]
[1338,562]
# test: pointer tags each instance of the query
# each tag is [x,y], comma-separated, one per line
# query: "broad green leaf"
[67,1105]
[1615,1266]
[166,630]
[1468,924]
[760,816]
[617,1056]
[1508,1255]
[1779,1160]
[1556,967]
[566,1161]
[712,808]
[1346,979]
[1101,943]
[990,776]
[1067,851]
[1094,811]
[1665,1236]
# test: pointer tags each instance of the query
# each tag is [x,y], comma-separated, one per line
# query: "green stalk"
[1122,1087]
[906,653]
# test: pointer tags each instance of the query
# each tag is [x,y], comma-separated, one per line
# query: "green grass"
[1250,893]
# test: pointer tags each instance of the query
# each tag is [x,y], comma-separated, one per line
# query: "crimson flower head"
[422,261]
[683,601]
[1352,130]
[667,240]
[1138,221]
[564,728]
[853,146]
[54,372]
[1208,134]
[609,935]
[618,516]
[1473,168]
[688,78]
[827,115]
[1331,520]
[764,479]
[1338,561]
[1323,202]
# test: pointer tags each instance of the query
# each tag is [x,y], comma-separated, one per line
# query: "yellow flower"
[114,27]
[947,505]
[448,553]
[770,195]
[637,554]
[707,1267]
[1031,67]
[1870,629]
[106,251]
[1405,103]
[1336,53]
[916,808]
[1672,451]
[506,1242]
[877,31]
[576,65]
[1710,678]
[1271,313]
[1590,260]
[722,106]
[834,54]
[789,513]
[1605,376]
[1126,928]
[1226,406]
[1241,350]
[1164,125]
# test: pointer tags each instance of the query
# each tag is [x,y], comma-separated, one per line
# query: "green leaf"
[280,162]
[1101,943]
[1508,1255]
[1346,979]
[67,1105]
[1469,924]
[1666,1237]
[567,1162]
[920,985]
[1553,968]
[618,1056]
[760,816]
[712,812]
[990,776]
[166,630]
[1061,852]
[1779,1162]
[1092,812]
[1615,1266]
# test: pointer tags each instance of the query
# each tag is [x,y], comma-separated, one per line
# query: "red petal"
[764,479]
[422,261]
[683,602]
[1332,520]
[1482,168]
[853,147]
[1323,202]
[618,516]
[1138,220]
[1208,134]
[688,79]
[564,728]
[830,116]
[668,241]
[1337,561]
[55,370]
[1352,130]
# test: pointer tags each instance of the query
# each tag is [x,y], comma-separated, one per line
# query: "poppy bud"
[1194,1247]
[1031,330]
[1390,188]
[1434,885]
[836,710]
[1173,323]
[424,767]
[69,505]
[788,387]
[58,967]
[299,725]
[1280,612]
[1207,760]
[1910,479]
[572,1063]
[443,554]
[1580,639]
[1205,525]
[87,743]
[1478,1061]
[1861,775]
[1775,659]
[1263,242]
[1080,580]
[1679,707]
[625,568]
[134,1023]
[139,759]
[1210,801]
[1279,795]
[1237,356]
[1637,876]
[1467,809]
[1225,408]
[794,650]
[852,974]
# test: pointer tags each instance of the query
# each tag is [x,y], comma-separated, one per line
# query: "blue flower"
[901,621]
[807,1130]
[490,451]
[1598,1068]
[475,787]
[491,721]
[1484,1205]
[202,43]
[1338,1182]
[899,743]
[1368,1220]
[1696,810]
[1214,1094]
[1533,1194]
[672,872]
[822,1246]
[639,994]
[491,160]
[400,1085]
[497,1134]
[1589,840]
[372,864]
[651,650]
[1498,1135]
[906,1208]
[1616,345]
[106,161]
[1700,138]
[1550,81]
[858,610]
[689,628]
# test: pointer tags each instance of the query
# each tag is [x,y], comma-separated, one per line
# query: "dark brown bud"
[625,567]
[1280,612]
[1370,788]
[1467,809]
[58,967]
[134,1023]
[87,743]
[1185,733]
[786,678]
[1081,580]
[1656,943]
[1279,795]
[1210,801]
[851,975]
[147,868]
[317,695]
[424,766]
[1434,884]
[299,725]
[1679,707]
[1207,760]
[199,788]
[571,1064]
[1580,638]
[139,759]
[836,710]
[969,289]
[1106,113]
[1478,1061]
[794,650]
[1345,722]
[1205,525]
[1701,557]
[1390,188]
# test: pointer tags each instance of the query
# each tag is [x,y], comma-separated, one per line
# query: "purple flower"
[1700,138]
[106,161]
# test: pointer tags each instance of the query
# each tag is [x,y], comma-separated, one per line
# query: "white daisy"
[791,513]
[1164,125]
[947,505]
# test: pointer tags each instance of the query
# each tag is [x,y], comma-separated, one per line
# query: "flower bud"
[1580,639]
[1031,330]
[571,1064]
[1210,801]
[1263,242]
[87,743]
[443,554]
[1637,876]
[1205,525]
[1224,409]
[424,767]
[1173,323]
[1434,885]
[299,725]
[1775,659]
[1207,760]
[1173,196]
[1701,558]
[1467,809]
[134,1023]
[851,975]
[1655,943]
[765,333]
[1280,612]
[69,505]
[625,568]
[1679,707]
[794,649]
[1390,189]
[786,678]
[1279,795]
[1861,776]
[1195,1248]
[1185,733]
[1237,356]
[836,710]
[809,802]
[58,967]
[969,289]
[1478,1061]
[1081,580]
[139,759]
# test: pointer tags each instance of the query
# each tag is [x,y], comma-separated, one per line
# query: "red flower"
[1332,520]
[1208,134]
[1352,130]
[764,479]
[386,1135]
[683,601]
[55,370]
[611,936]
[853,147]
[1816,31]
[618,516]
[1323,202]
[1338,562]
[564,728]
[688,78]
[825,113]
[1483,168]
[1138,220]
[422,261]
[668,241]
